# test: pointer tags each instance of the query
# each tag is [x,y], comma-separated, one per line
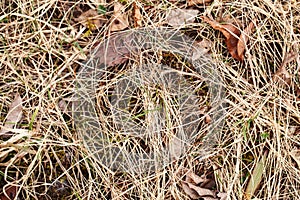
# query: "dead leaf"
[180,17]
[256,177]
[282,73]
[11,193]
[198,2]
[241,46]
[90,19]
[202,191]
[193,190]
[137,16]
[114,51]
[189,191]
[191,176]
[231,34]
[120,19]
[14,114]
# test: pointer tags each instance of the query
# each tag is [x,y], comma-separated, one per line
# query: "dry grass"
[42,48]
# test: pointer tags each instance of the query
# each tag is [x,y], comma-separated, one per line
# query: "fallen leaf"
[179,17]
[189,191]
[137,16]
[90,19]
[191,176]
[193,190]
[114,50]
[198,2]
[256,177]
[10,192]
[14,115]
[202,191]
[282,73]
[120,19]
[241,46]
[231,34]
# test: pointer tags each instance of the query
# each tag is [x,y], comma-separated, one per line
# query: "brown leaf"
[180,17]
[137,16]
[198,2]
[14,114]
[192,177]
[120,19]
[191,188]
[202,191]
[114,51]
[11,193]
[189,191]
[282,74]
[90,19]
[231,34]
[241,46]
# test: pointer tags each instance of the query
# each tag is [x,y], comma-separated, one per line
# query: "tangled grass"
[42,48]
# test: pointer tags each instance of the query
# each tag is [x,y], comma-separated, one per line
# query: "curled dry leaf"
[179,17]
[137,16]
[192,186]
[231,34]
[192,177]
[189,191]
[198,2]
[202,191]
[120,19]
[14,115]
[241,46]
[235,40]
[90,19]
